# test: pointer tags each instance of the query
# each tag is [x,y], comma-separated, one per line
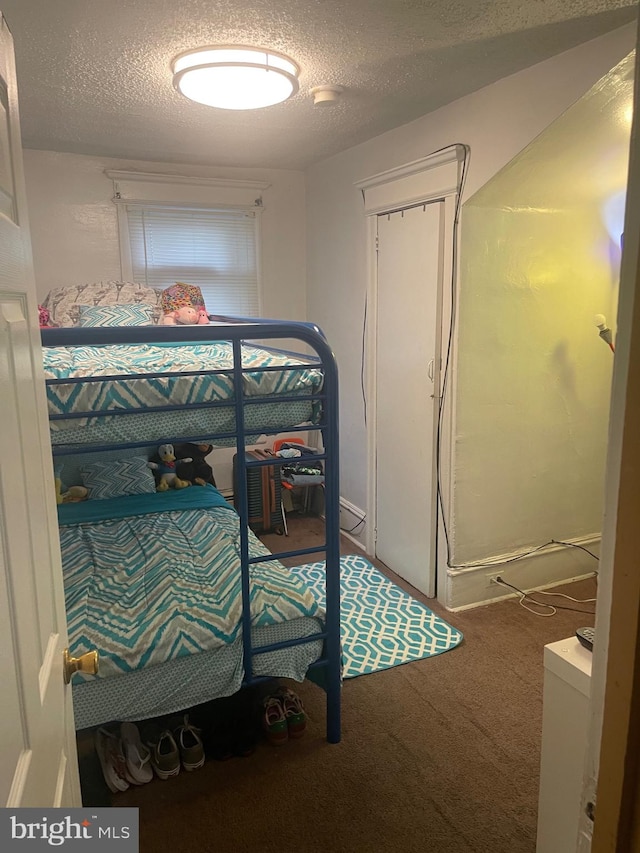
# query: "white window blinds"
[213,249]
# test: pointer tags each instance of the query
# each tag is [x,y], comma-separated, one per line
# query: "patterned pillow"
[121,477]
[115,315]
[65,303]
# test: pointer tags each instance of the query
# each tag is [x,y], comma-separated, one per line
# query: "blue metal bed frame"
[327,669]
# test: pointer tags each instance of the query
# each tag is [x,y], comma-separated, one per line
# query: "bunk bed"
[114,394]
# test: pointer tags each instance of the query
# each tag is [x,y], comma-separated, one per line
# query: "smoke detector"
[324,95]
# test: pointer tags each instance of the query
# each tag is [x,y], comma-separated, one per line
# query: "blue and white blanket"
[143,391]
[152,578]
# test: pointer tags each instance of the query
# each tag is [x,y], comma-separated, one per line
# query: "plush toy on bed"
[72,495]
[183,305]
[165,469]
[197,471]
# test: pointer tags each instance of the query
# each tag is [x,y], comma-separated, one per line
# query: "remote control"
[587,637]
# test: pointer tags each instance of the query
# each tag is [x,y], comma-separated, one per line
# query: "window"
[213,249]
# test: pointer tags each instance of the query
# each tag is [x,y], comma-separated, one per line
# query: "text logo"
[70,829]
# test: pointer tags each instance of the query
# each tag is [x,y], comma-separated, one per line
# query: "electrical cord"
[524,597]
[490,563]
[553,608]
[575,545]
[355,526]
[568,597]
[447,362]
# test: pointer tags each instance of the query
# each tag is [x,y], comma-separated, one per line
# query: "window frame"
[177,192]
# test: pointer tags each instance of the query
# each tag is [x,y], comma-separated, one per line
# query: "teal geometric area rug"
[381,625]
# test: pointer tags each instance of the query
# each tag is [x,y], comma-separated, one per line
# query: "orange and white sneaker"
[294,712]
[274,721]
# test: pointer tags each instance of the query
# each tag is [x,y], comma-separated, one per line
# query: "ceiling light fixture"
[235,78]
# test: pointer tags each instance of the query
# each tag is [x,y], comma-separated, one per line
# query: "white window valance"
[202,231]
[160,189]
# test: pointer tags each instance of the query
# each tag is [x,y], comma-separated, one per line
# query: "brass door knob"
[88,662]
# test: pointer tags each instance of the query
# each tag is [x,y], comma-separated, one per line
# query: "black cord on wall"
[447,361]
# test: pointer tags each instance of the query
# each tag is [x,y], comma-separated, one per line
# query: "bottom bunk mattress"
[153,582]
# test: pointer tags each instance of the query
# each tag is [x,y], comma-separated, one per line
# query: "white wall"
[497,122]
[74,227]
[74,232]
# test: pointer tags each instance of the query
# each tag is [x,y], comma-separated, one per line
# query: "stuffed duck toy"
[166,469]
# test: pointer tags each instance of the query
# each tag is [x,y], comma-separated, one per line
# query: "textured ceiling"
[94,77]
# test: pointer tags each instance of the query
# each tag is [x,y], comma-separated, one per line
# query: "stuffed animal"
[186,315]
[74,494]
[44,317]
[165,469]
[196,471]
[183,305]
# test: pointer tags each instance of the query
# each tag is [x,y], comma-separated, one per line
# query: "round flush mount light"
[235,78]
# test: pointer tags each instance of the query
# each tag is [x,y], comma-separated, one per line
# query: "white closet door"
[409,270]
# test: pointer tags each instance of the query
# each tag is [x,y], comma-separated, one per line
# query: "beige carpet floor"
[437,756]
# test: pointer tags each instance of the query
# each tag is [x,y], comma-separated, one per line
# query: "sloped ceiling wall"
[540,257]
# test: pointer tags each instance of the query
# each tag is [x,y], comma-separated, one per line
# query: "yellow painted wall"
[532,376]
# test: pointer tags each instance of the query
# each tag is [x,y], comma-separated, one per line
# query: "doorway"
[409,255]
[411,213]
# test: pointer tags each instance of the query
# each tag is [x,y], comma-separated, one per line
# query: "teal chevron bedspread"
[142,391]
[165,582]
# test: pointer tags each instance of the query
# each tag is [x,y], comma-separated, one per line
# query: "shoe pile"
[126,760]
[284,716]
[171,750]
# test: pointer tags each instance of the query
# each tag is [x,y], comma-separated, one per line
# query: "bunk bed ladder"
[331,661]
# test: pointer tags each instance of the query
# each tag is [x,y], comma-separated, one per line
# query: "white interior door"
[409,269]
[39,763]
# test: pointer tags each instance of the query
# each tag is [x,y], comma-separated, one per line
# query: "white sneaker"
[137,756]
[112,761]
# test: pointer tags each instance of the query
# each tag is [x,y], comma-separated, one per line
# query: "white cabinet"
[565,720]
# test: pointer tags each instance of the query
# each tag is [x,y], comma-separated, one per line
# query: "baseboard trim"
[350,516]
[555,565]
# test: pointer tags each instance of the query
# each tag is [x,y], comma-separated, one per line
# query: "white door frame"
[432,178]
[611,778]
[40,766]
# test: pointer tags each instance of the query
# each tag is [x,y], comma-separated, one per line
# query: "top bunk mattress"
[174,389]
